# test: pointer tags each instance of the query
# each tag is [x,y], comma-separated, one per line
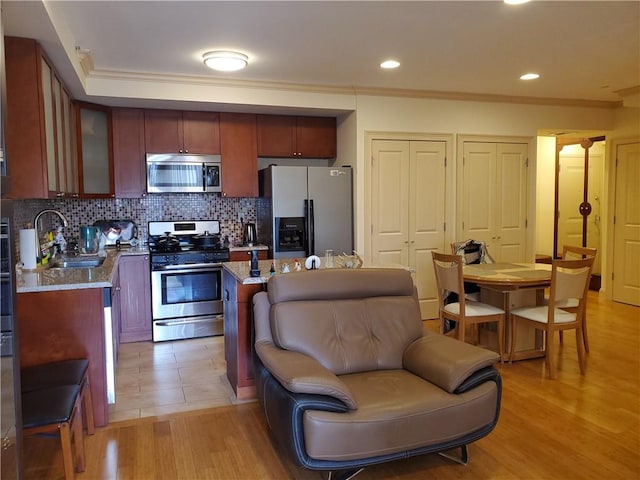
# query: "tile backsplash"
[160,207]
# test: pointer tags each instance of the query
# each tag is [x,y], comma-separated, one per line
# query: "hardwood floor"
[575,427]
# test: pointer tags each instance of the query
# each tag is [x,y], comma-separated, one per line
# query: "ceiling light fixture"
[390,64]
[515,2]
[529,76]
[225,61]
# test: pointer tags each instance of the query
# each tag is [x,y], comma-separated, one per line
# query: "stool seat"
[56,411]
[65,372]
[53,405]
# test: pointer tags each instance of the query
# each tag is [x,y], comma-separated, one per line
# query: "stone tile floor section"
[168,377]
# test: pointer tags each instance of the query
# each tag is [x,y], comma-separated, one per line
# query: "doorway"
[579,187]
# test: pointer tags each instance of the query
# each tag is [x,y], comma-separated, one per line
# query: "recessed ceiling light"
[515,2]
[225,61]
[390,64]
[529,76]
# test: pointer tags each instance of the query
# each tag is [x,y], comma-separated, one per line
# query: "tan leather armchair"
[348,377]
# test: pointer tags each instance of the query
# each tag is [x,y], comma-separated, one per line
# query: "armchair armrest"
[444,361]
[300,373]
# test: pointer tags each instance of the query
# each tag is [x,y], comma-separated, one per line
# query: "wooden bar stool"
[56,410]
[64,372]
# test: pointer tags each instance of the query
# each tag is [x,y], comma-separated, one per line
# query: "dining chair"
[570,252]
[569,279]
[472,252]
[449,279]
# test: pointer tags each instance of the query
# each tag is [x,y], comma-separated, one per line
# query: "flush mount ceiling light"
[390,64]
[225,61]
[529,76]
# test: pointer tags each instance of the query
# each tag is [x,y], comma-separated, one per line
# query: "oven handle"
[188,267]
[171,323]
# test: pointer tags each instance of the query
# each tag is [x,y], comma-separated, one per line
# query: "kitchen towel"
[28,250]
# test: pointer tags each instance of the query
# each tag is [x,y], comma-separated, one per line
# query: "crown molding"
[202,80]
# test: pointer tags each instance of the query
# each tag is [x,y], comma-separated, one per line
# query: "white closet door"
[494,198]
[511,201]
[408,209]
[390,202]
[426,218]
[478,180]
[626,268]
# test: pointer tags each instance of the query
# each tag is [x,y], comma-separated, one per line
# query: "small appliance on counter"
[117,232]
[249,237]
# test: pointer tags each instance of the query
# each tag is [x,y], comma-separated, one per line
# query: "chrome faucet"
[65,223]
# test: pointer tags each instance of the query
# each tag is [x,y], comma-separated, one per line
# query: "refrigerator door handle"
[307,229]
[312,233]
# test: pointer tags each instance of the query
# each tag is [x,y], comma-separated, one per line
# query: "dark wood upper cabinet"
[290,136]
[95,160]
[128,152]
[39,130]
[276,136]
[239,155]
[316,137]
[170,131]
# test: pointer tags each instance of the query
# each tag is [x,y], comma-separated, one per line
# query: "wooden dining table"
[508,286]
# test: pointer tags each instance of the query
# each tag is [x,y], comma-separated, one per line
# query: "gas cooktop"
[186,243]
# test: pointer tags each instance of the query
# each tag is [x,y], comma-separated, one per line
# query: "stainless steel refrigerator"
[306,210]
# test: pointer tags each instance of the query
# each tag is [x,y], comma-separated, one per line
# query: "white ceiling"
[583,50]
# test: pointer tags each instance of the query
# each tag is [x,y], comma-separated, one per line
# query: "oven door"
[186,301]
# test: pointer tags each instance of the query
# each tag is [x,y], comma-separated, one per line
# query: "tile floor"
[167,377]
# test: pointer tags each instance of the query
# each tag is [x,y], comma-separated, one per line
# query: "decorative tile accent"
[153,207]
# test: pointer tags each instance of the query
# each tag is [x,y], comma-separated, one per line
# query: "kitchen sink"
[88,261]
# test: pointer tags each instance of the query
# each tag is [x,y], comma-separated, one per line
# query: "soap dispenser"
[255,269]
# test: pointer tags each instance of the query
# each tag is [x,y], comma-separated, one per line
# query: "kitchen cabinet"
[135,298]
[40,133]
[492,197]
[93,124]
[239,155]
[63,325]
[171,131]
[129,171]
[238,336]
[301,137]
[116,306]
[245,255]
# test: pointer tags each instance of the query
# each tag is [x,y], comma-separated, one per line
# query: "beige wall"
[545,191]
[457,117]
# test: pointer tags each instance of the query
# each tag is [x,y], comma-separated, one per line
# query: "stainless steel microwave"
[174,173]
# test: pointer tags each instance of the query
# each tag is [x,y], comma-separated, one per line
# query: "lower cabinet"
[135,298]
[65,325]
[242,255]
[238,335]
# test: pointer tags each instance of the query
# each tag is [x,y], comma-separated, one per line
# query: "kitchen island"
[239,287]
[66,313]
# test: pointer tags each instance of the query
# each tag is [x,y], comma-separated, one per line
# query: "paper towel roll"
[28,255]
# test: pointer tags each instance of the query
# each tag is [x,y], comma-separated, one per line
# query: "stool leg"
[87,407]
[78,437]
[67,457]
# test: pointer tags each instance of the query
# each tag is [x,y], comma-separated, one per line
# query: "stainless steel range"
[186,279]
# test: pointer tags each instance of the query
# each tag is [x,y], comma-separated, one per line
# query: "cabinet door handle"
[226,294]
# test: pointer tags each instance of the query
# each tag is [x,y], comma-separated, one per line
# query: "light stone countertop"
[47,279]
[242,248]
[241,270]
